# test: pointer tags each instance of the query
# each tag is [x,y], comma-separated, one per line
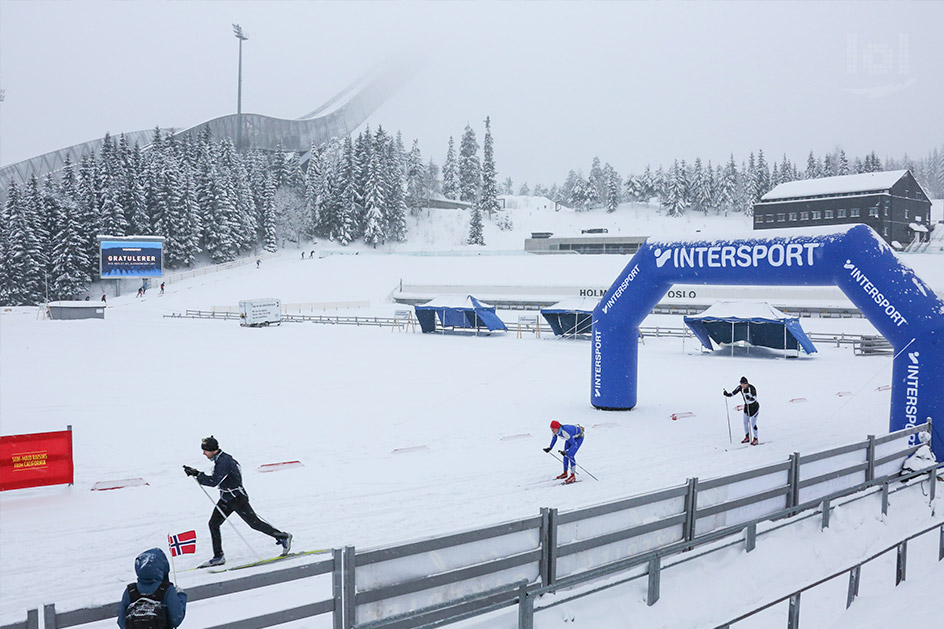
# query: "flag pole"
[172,565]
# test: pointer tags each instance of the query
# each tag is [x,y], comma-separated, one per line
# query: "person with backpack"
[228,476]
[573,439]
[751,408]
[152,601]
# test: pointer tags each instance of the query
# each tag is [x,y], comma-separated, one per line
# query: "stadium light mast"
[241,36]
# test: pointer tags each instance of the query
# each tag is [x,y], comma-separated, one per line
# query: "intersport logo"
[738,256]
[911,393]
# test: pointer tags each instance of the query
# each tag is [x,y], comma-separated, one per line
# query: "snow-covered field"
[140,390]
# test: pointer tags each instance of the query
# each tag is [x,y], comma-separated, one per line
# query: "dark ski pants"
[239,505]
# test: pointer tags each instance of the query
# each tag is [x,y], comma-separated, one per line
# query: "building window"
[841,213]
[854,212]
[828,214]
[771,218]
[792,217]
[781,217]
[804,216]
[758,219]
[816,215]
[907,211]
[873,211]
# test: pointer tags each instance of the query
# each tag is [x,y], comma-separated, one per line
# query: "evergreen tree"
[524,191]
[489,192]
[416,180]
[395,210]
[676,195]
[763,176]
[508,186]
[470,169]
[829,167]
[842,167]
[812,171]
[24,261]
[597,184]
[613,185]
[450,172]
[476,229]
[270,240]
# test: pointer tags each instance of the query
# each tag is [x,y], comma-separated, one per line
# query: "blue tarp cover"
[571,316]
[757,323]
[457,311]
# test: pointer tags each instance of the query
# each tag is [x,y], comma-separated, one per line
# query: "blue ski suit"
[573,439]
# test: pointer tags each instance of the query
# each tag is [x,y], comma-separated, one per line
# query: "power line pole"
[241,36]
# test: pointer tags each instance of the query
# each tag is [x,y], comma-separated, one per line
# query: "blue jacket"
[570,433]
[152,569]
[226,475]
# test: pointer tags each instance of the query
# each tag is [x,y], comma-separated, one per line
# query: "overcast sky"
[634,83]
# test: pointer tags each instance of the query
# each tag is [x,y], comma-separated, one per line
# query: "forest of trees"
[214,204]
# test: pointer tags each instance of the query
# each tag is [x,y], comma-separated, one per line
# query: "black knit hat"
[743,381]
[210,444]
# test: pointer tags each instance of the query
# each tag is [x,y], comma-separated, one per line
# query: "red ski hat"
[555,425]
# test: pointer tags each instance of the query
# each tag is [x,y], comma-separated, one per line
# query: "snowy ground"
[140,390]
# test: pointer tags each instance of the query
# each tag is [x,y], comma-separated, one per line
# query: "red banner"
[43,458]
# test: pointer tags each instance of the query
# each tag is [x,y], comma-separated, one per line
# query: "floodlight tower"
[241,36]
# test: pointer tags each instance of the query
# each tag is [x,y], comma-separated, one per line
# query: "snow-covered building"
[892,203]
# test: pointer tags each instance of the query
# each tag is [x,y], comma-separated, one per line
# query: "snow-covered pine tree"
[613,197]
[842,165]
[829,166]
[24,261]
[450,173]
[596,182]
[470,169]
[489,191]
[69,266]
[395,208]
[812,168]
[476,229]
[416,180]
[763,177]
[375,200]
[507,186]
[524,191]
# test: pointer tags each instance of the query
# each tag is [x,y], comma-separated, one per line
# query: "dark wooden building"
[892,203]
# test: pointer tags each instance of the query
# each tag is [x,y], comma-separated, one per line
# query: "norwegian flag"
[182,543]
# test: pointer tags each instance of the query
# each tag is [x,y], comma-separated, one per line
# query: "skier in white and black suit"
[751,408]
[233,498]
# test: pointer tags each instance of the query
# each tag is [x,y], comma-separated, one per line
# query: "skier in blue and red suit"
[573,439]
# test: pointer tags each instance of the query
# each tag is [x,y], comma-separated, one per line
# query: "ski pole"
[577,465]
[728,413]
[225,518]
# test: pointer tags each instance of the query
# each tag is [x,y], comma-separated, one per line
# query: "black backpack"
[147,611]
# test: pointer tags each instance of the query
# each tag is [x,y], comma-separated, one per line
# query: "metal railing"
[330,605]
[440,580]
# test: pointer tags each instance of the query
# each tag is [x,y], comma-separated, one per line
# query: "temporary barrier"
[37,459]
[856,259]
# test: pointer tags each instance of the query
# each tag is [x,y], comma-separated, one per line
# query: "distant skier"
[140,291]
[258,262]
[152,600]
[162,288]
[233,498]
[573,439]
[751,408]
[104,300]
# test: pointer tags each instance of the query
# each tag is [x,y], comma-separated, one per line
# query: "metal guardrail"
[59,620]
[442,579]
[863,344]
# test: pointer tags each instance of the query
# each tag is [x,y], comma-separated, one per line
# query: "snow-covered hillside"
[140,390]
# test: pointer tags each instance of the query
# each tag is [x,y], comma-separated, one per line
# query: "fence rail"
[439,580]
[864,344]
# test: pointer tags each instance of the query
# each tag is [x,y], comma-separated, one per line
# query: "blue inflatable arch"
[895,300]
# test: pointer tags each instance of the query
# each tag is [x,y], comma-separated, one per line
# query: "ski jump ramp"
[338,117]
[893,298]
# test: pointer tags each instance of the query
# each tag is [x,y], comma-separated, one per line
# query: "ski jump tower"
[895,300]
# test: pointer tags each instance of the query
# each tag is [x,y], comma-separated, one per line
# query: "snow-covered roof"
[575,304]
[454,301]
[918,228]
[846,184]
[742,310]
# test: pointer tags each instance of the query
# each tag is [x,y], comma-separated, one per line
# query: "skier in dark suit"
[751,408]
[227,475]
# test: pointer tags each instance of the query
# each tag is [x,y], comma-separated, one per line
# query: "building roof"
[825,186]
